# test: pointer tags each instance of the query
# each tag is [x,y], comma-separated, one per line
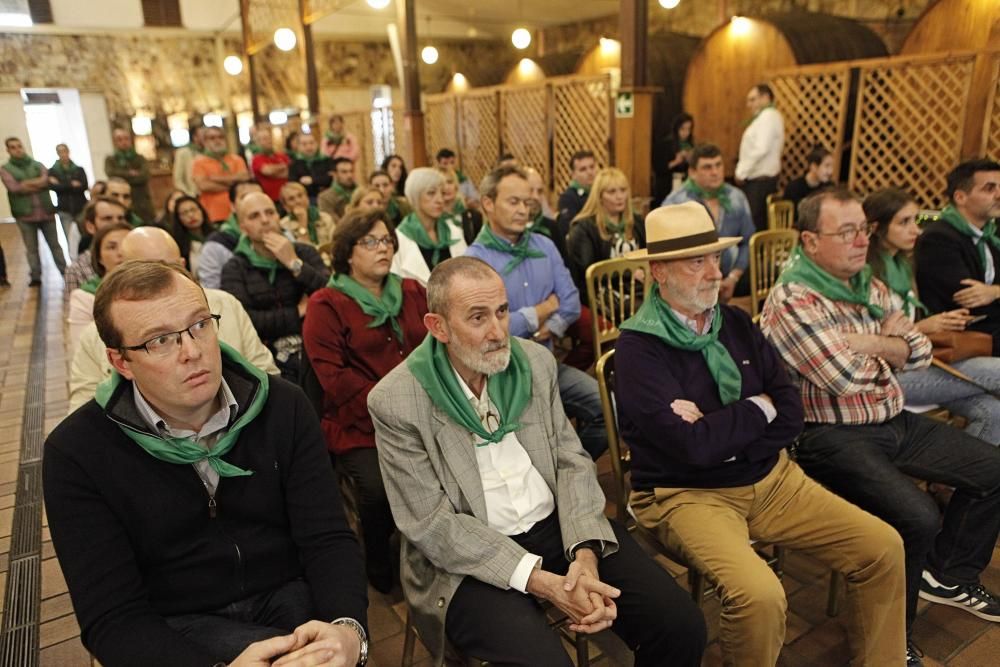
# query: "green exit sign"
[624,105]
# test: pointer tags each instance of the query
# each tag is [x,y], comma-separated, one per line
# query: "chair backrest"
[614,293]
[620,460]
[780,214]
[927,216]
[768,252]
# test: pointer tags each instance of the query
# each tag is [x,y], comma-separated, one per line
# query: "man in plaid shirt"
[835,328]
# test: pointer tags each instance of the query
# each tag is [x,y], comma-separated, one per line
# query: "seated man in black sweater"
[192,505]
[707,410]
[958,256]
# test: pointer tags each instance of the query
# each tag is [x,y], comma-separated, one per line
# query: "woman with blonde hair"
[469,219]
[606,226]
[365,198]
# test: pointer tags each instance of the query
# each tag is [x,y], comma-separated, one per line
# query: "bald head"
[258,216]
[151,244]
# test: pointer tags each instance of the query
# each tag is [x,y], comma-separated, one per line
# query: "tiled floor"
[949,637]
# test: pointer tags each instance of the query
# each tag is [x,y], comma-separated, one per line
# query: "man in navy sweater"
[707,410]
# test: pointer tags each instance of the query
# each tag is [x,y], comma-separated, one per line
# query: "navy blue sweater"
[669,452]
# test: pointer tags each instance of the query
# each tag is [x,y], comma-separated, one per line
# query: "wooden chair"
[613,295]
[780,214]
[620,464]
[768,252]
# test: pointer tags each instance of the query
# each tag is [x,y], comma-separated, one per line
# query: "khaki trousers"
[712,529]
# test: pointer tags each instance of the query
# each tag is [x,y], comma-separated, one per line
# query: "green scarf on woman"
[245,248]
[186,450]
[657,318]
[899,277]
[951,215]
[385,307]
[458,208]
[413,229]
[803,270]
[312,215]
[719,193]
[90,286]
[520,250]
[335,139]
[510,389]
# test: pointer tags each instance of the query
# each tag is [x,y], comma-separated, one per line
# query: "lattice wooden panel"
[908,126]
[814,107]
[993,118]
[525,134]
[440,124]
[480,133]
[266,16]
[581,117]
[400,136]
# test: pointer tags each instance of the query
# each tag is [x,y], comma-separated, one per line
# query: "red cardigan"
[349,358]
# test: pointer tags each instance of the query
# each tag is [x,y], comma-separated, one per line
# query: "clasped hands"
[311,644]
[580,594]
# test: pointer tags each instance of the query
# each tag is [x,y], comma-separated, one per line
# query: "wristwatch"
[362,637]
[296,266]
[593,545]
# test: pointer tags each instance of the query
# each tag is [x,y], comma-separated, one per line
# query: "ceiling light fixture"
[285,39]
[669,4]
[233,65]
[429,55]
[520,38]
[378,4]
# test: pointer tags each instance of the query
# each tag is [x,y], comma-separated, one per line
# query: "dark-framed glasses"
[167,343]
[850,233]
[372,243]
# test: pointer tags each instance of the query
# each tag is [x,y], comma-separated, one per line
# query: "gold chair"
[768,252]
[780,214]
[613,295]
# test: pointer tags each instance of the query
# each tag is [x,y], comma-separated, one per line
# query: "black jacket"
[273,309]
[70,199]
[571,202]
[584,246]
[318,169]
[137,542]
[944,258]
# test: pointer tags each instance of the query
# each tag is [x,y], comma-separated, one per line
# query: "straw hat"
[679,231]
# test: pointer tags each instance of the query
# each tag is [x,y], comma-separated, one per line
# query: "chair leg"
[409,641]
[696,582]
[582,650]
[779,560]
[833,595]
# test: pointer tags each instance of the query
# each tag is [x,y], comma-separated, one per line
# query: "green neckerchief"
[309,159]
[186,450]
[245,248]
[899,277]
[91,285]
[334,138]
[462,178]
[413,229]
[194,236]
[510,389]
[615,228]
[719,193]
[122,158]
[392,208]
[520,250]
[344,193]
[64,172]
[657,318]
[754,117]
[218,156]
[458,208]
[135,220]
[231,226]
[538,226]
[951,215]
[257,149]
[803,270]
[382,308]
[580,190]
[312,215]
[685,145]
[24,168]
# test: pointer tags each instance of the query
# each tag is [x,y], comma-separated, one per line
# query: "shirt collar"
[692,323]
[225,397]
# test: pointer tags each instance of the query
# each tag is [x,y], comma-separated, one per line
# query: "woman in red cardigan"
[356,330]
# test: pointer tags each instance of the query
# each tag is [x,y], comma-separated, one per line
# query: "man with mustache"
[487,482]
[707,410]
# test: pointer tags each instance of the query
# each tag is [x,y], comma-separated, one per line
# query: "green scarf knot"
[520,250]
[720,193]
[510,389]
[951,215]
[413,229]
[580,190]
[218,156]
[803,270]
[657,318]
[382,308]
[186,450]
[899,278]
[123,158]
[245,248]
[309,159]
[344,193]
[335,139]
[90,286]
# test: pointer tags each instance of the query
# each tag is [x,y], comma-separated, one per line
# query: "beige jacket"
[90,364]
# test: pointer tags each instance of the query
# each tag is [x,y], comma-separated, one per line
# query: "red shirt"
[270,184]
[349,358]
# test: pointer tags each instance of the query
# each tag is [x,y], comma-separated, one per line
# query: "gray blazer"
[432,480]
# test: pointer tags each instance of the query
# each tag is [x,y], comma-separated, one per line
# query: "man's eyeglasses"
[850,233]
[371,243]
[167,343]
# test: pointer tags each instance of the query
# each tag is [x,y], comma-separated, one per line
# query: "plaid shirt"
[838,386]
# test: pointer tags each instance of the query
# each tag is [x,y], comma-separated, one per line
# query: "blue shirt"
[530,283]
[735,222]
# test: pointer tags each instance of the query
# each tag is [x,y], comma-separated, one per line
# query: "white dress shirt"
[760,147]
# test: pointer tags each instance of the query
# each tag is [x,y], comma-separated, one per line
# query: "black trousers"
[656,618]
[757,190]
[361,465]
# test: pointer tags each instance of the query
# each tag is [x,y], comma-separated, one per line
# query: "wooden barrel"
[737,54]
[955,25]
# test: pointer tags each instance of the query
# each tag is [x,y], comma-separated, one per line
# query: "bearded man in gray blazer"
[499,504]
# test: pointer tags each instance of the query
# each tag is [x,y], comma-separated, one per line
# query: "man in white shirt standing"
[487,482]
[760,152]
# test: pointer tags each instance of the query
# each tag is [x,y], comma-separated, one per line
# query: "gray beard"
[477,360]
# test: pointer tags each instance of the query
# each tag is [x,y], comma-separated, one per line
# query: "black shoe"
[972,598]
[35,283]
[913,655]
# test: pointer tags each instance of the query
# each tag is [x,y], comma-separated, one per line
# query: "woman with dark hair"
[396,168]
[166,217]
[895,214]
[190,227]
[395,205]
[106,254]
[819,175]
[356,330]
[672,155]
